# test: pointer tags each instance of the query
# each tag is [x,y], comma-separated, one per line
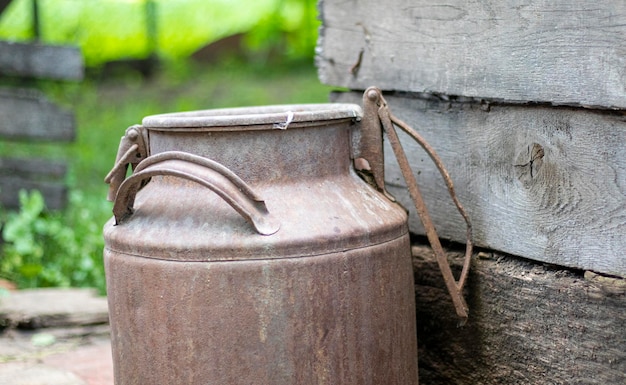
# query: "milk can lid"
[276,116]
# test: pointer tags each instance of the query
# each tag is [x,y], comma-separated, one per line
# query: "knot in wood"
[528,163]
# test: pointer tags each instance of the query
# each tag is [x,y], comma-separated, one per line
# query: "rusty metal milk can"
[245,249]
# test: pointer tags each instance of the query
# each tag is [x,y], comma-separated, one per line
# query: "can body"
[196,296]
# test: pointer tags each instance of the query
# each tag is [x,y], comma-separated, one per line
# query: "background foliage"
[112,29]
[44,248]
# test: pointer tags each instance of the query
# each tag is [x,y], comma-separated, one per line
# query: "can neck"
[318,150]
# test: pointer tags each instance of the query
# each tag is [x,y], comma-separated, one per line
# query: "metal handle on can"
[132,150]
[379,115]
[206,172]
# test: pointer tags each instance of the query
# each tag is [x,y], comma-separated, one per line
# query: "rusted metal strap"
[132,150]
[455,288]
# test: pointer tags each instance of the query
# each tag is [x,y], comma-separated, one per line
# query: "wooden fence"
[26,115]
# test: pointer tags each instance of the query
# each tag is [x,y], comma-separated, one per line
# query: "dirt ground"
[55,337]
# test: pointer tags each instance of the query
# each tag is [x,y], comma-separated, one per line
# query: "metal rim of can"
[268,117]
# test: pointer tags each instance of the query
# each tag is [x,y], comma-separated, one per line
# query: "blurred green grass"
[108,30]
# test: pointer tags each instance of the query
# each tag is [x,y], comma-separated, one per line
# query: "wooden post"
[151,27]
[36,21]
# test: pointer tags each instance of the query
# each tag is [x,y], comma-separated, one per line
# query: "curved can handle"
[205,172]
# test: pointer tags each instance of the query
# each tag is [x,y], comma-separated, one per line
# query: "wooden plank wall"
[43,175]
[529,324]
[41,61]
[562,52]
[525,101]
[487,83]
[26,115]
[568,207]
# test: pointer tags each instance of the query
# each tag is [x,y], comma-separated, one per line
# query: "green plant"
[43,248]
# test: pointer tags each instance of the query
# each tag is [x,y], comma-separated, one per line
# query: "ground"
[55,337]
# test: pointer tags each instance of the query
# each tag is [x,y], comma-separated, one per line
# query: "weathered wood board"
[529,323]
[568,52]
[43,175]
[28,115]
[53,307]
[566,207]
[43,61]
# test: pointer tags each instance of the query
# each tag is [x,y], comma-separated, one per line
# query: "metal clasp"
[368,154]
[376,113]
[132,150]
